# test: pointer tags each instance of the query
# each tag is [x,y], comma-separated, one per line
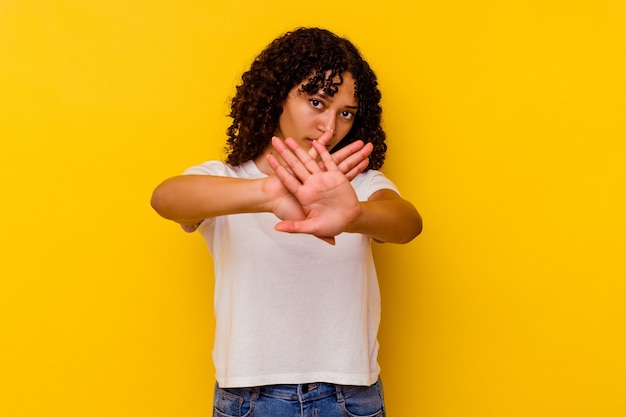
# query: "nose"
[326,121]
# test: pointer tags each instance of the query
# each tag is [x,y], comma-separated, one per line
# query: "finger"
[293,162]
[327,158]
[356,162]
[351,174]
[294,226]
[284,175]
[303,156]
[281,145]
[324,139]
[330,240]
[347,150]
[274,164]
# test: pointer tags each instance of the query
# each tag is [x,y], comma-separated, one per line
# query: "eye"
[316,103]
[348,115]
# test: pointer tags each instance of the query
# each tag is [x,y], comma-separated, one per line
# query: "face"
[306,117]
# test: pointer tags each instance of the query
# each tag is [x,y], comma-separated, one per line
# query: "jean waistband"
[314,390]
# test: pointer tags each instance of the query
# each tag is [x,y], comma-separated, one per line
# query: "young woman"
[289,225]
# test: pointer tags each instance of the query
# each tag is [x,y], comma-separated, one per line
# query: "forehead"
[347,89]
[343,85]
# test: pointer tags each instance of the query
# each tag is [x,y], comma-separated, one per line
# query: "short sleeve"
[368,182]
[216,168]
[380,182]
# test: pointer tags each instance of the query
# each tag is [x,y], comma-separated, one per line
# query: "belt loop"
[256,392]
[339,390]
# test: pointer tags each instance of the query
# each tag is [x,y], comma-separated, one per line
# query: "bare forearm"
[188,199]
[388,220]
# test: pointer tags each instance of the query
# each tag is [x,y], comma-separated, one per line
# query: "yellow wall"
[506,125]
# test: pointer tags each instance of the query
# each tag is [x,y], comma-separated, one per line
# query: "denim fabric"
[304,400]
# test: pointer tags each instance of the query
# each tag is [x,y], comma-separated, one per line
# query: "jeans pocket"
[364,401]
[233,402]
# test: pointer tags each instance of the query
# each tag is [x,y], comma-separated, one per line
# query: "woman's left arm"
[387,217]
[330,204]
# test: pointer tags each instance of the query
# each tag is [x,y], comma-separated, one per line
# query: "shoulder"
[214,167]
[222,169]
[370,181]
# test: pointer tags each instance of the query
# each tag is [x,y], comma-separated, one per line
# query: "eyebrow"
[326,97]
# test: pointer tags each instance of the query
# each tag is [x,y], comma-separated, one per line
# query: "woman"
[290,225]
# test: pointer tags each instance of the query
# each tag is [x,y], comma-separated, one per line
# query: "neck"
[261,161]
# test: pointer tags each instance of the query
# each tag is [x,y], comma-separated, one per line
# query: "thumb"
[291,226]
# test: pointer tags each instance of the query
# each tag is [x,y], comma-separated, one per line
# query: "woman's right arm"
[189,199]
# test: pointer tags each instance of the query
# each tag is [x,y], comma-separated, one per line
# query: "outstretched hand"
[328,201]
[350,160]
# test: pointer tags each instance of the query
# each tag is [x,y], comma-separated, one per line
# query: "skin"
[306,187]
[330,204]
[307,117]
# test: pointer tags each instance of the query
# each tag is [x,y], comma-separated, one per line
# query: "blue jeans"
[304,400]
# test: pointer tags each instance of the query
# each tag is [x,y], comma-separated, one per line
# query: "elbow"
[409,229]
[417,225]
[413,227]
[160,200]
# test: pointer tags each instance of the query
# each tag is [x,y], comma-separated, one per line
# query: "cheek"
[286,122]
[342,130]
[295,117]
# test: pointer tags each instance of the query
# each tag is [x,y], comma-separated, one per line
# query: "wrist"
[355,219]
[265,201]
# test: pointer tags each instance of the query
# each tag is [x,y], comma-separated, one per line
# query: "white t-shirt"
[290,308]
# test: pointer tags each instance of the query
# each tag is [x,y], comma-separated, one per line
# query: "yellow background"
[507,129]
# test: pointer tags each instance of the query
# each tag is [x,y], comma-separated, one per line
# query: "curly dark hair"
[316,58]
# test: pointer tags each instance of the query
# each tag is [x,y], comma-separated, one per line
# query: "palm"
[328,201]
[284,204]
[323,191]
